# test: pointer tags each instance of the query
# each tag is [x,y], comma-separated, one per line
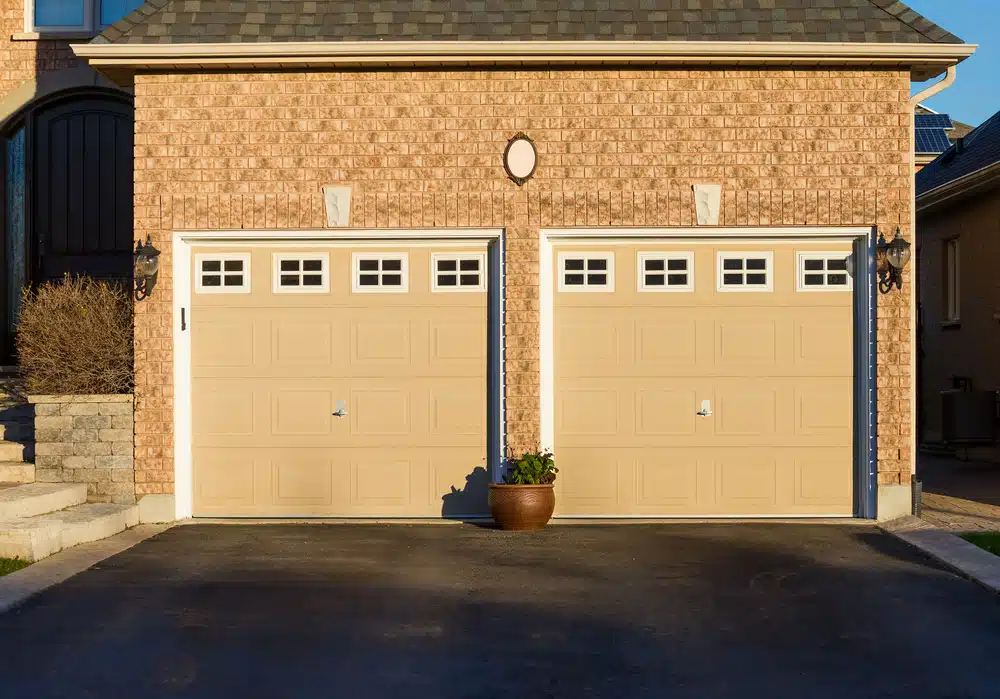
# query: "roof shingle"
[250,21]
[980,149]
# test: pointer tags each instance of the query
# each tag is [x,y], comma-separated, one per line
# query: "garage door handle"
[706,408]
[341,410]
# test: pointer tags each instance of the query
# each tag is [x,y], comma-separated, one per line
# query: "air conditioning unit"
[968,417]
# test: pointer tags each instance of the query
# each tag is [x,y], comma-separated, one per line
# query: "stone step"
[34,538]
[16,472]
[34,499]
[15,451]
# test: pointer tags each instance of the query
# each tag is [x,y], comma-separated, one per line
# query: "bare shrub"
[74,337]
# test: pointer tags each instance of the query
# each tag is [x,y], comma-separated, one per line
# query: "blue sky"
[975,96]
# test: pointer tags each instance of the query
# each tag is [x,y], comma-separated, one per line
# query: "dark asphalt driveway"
[701,611]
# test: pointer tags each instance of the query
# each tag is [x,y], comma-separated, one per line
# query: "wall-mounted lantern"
[520,158]
[890,259]
[146,266]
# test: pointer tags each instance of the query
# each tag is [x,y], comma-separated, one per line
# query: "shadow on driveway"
[458,611]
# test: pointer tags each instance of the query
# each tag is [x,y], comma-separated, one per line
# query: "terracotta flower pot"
[521,507]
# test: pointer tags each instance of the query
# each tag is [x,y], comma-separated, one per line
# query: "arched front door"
[66,188]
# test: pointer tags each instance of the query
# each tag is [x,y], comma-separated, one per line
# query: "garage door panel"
[665,340]
[225,408]
[742,339]
[746,480]
[590,411]
[223,479]
[824,408]
[667,480]
[746,409]
[777,368]
[589,480]
[821,480]
[821,343]
[299,412]
[270,370]
[223,340]
[302,478]
[296,343]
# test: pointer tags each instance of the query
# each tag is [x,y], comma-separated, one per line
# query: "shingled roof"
[261,21]
[979,150]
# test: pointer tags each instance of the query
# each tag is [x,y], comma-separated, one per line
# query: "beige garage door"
[755,337]
[332,381]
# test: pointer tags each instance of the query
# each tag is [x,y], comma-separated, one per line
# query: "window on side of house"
[75,15]
[952,278]
[586,271]
[822,271]
[745,271]
[223,273]
[378,272]
[305,273]
[665,271]
[464,271]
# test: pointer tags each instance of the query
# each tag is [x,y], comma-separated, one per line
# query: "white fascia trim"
[344,234]
[182,243]
[547,283]
[500,52]
[707,232]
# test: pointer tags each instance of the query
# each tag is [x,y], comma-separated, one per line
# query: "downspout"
[947,81]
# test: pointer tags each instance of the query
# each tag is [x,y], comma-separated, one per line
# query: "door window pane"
[59,13]
[114,10]
[16,267]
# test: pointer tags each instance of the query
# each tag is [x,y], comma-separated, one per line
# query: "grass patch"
[989,541]
[11,565]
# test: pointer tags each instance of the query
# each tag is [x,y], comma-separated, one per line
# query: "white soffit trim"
[931,57]
[707,232]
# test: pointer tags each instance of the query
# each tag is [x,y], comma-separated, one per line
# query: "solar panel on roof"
[934,121]
[932,141]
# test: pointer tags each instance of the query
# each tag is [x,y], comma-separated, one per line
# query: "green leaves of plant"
[531,468]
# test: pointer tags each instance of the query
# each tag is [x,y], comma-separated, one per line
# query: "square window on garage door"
[665,271]
[223,273]
[745,271]
[305,273]
[586,271]
[822,271]
[375,272]
[465,271]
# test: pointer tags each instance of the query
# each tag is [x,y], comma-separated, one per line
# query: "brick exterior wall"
[24,60]
[423,149]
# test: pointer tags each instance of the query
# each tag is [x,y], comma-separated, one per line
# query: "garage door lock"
[341,410]
[706,408]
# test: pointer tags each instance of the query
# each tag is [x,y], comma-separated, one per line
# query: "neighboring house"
[958,219]
[358,310]
[935,133]
[65,152]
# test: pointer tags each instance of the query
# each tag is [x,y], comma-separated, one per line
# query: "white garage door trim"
[548,284]
[182,284]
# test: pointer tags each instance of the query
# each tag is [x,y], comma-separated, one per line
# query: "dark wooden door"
[66,189]
[83,189]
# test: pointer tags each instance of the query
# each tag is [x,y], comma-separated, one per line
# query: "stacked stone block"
[87,439]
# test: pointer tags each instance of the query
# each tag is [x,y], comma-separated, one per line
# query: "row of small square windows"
[675,271]
[309,273]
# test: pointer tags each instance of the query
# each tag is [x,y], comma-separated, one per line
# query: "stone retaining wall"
[87,439]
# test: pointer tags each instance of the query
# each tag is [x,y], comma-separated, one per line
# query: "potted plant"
[526,499]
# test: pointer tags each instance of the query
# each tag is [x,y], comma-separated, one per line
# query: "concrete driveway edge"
[953,551]
[18,587]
